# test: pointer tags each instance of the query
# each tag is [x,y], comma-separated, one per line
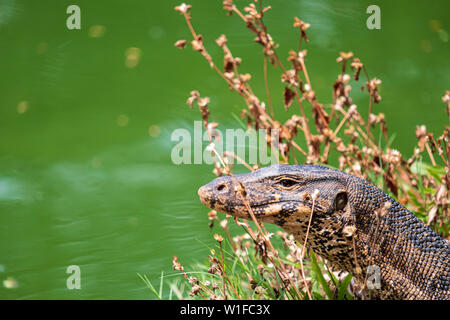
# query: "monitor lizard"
[354,225]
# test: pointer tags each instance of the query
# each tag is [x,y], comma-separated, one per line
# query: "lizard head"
[287,195]
[280,194]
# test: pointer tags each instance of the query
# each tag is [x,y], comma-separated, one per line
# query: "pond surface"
[86,116]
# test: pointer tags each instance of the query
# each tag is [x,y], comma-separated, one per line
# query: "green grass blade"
[170,293]
[149,285]
[342,290]
[161,283]
[320,278]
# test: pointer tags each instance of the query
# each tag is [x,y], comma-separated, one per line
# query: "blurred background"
[86,116]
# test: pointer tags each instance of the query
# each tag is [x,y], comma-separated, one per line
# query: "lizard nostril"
[221,187]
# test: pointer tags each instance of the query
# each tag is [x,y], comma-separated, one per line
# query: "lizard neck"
[412,261]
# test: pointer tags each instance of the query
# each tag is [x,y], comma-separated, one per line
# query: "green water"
[82,182]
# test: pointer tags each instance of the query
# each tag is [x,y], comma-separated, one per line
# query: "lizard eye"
[287,183]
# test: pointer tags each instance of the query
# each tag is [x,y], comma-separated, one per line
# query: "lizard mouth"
[224,204]
[259,210]
[221,196]
[271,210]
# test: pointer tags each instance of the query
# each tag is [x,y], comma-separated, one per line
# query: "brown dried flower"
[303,27]
[288,97]
[183,8]
[218,238]
[180,44]
[356,66]
[221,41]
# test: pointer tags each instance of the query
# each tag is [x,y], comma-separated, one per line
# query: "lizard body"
[354,225]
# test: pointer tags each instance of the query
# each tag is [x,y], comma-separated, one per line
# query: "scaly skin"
[348,221]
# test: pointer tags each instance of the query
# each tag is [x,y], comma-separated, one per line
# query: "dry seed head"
[344,56]
[197,44]
[352,109]
[228,5]
[229,75]
[288,97]
[195,290]
[193,280]
[302,54]
[217,171]
[194,96]
[176,265]
[213,269]
[203,102]
[301,24]
[218,238]
[372,119]
[210,147]
[212,125]
[380,118]
[239,223]
[183,8]
[345,78]
[357,168]
[393,156]
[446,97]
[224,223]
[421,131]
[212,214]
[180,44]
[245,77]
[239,188]
[315,194]
[221,41]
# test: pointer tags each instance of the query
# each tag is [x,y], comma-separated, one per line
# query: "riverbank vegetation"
[258,264]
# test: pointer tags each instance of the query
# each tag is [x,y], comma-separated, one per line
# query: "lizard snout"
[215,193]
[204,193]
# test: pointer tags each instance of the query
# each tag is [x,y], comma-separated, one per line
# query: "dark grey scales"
[413,259]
